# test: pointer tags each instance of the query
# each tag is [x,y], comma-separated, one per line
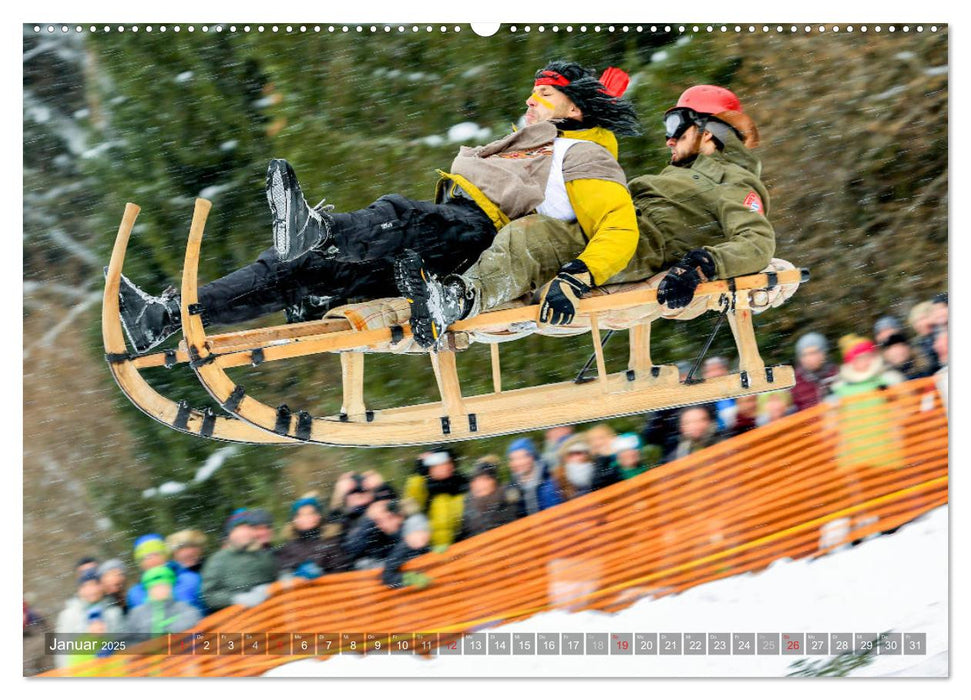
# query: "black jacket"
[309,546]
[367,541]
[483,514]
[400,553]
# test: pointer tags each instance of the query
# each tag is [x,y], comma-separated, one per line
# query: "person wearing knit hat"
[150,550]
[488,504]
[437,489]
[531,477]
[413,541]
[863,370]
[487,466]
[239,517]
[898,355]
[161,613]
[579,471]
[262,524]
[562,163]
[868,427]
[241,571]
[628,457]
[814,373]
[311,550]
[113,576]
[89,610]
[885,327]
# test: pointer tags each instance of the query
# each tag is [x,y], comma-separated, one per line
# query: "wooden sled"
[643,387]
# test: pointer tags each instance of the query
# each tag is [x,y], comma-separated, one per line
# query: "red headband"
[614,80]
[548,77]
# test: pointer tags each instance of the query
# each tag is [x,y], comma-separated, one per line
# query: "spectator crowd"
[369,523]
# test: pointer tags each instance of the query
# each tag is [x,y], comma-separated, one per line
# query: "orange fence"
[798,487]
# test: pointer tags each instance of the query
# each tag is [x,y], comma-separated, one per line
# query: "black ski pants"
[449,237]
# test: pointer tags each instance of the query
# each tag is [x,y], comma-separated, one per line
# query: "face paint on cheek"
[543,101]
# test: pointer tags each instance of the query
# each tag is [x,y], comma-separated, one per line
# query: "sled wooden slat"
[446,375]
[496,368]
[598,350]
[352,383]
[640,350]
[749,360]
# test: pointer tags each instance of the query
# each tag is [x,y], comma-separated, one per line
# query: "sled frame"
[642,387]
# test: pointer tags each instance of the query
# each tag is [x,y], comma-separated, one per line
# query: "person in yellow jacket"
[562,163]
[438,490]
[575,117]
[703,217]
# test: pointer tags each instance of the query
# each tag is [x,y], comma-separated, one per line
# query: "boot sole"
[412,282]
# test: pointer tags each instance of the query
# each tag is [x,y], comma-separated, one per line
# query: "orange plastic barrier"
[798,487]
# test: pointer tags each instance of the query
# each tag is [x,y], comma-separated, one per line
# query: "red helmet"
[709,99]
[722,104]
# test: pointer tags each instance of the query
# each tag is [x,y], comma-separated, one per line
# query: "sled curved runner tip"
[124,366]
[642,387]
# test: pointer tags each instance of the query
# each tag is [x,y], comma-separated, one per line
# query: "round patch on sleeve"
[754,202]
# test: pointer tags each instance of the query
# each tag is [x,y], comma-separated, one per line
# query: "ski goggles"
[678,120]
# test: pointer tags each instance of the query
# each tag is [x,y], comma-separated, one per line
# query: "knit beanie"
[522,444]
[259,516]
[111,565]
[158,574]
[859,348]
[626,441]
[240,516]
[811,340]
[150,544]
[414,523]
[886,323]
[301,502]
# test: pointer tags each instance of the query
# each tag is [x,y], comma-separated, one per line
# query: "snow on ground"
[895,583]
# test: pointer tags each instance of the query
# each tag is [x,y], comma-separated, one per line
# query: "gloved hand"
[308,570]
[416,579]
[559,303]
[678,286]
[253,596]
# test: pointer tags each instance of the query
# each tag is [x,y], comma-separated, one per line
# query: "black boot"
[297,227]
[435,305]
[148,320]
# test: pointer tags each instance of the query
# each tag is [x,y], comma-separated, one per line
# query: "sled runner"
[381,326]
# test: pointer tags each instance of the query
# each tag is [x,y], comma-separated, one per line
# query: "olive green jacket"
[230,571]
[718,203]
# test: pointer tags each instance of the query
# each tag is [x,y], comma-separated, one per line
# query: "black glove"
[678,286]
[559,303]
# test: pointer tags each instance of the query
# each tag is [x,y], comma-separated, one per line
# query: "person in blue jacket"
[150,552]
[531,477]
